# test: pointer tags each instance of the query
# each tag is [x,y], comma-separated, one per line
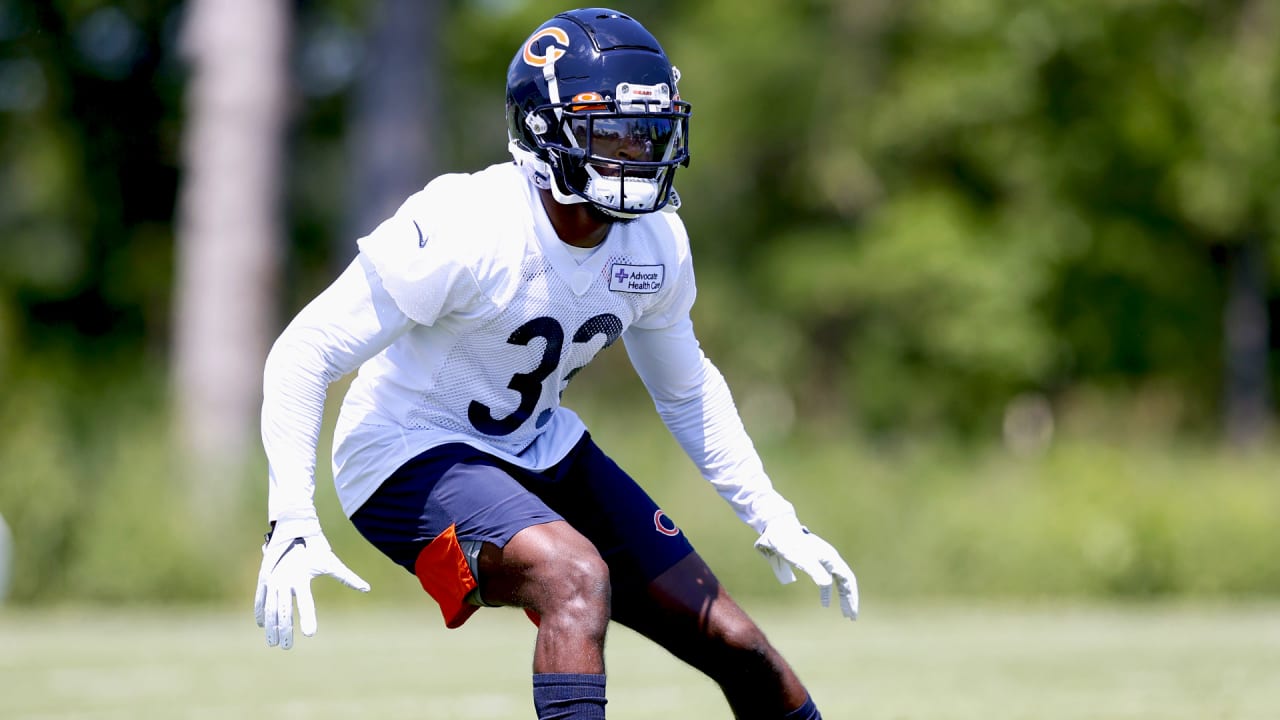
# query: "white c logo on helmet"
[552,53]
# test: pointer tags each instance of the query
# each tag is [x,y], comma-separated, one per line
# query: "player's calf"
[555,572]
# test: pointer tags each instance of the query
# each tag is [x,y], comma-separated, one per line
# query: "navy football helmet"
[594,115]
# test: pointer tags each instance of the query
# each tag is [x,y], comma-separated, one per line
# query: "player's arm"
[697,407]
[348,323]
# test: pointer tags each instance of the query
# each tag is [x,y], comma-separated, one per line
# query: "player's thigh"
[451,486]
[661,586]
[458,519]
[689,612]
[541,567]
[637,539]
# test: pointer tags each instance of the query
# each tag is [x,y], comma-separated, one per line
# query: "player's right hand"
[294,553]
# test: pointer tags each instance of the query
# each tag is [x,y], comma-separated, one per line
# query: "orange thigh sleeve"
[442,569]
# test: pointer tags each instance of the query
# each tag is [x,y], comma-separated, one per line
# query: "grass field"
[901,663]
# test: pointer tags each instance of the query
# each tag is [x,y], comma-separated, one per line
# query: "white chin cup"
[636,194]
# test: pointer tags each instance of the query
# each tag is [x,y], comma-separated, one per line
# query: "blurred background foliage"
[992,280]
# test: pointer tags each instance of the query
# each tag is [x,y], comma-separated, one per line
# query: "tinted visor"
[634,138]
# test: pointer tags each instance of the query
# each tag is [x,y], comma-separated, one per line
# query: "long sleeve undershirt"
[355,319]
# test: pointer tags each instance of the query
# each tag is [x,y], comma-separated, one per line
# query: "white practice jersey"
[468,317]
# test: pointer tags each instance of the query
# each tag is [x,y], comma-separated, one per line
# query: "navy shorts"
[487,499]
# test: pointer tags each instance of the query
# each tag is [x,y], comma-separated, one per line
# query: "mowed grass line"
[897,663]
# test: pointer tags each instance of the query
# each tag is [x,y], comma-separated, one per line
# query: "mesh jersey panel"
[504,376]
[502,330]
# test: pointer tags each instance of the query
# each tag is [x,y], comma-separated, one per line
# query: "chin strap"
[673,202]
[539,173]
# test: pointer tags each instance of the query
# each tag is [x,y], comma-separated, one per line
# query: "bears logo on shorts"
[664,524]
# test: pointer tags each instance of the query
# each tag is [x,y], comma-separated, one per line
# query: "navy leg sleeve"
[807,711]
[568,696]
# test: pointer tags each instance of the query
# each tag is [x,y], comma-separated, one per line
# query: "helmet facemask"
[619,154]
[623,162]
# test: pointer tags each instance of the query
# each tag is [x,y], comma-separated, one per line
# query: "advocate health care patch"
[636,278]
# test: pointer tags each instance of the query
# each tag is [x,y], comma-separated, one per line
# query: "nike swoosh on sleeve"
[422,241]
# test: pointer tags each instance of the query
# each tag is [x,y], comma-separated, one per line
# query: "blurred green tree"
[229,232]
[921,210]
[906,214]
[910,219]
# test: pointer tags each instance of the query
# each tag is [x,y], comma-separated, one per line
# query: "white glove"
[295,552]
[785,542]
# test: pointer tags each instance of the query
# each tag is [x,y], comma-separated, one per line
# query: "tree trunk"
[1246,322]
[394,116]
[229,227]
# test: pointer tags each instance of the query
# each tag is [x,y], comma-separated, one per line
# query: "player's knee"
[582,584]
[740,636]
[740,651]
[575,596]
[562,577]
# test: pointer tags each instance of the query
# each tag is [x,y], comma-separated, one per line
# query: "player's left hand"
[785,542]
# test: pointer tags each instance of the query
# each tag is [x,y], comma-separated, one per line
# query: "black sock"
[569,696]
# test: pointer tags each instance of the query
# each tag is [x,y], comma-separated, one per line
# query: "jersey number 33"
[530,385]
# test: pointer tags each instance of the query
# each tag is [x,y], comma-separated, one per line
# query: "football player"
[467,313]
